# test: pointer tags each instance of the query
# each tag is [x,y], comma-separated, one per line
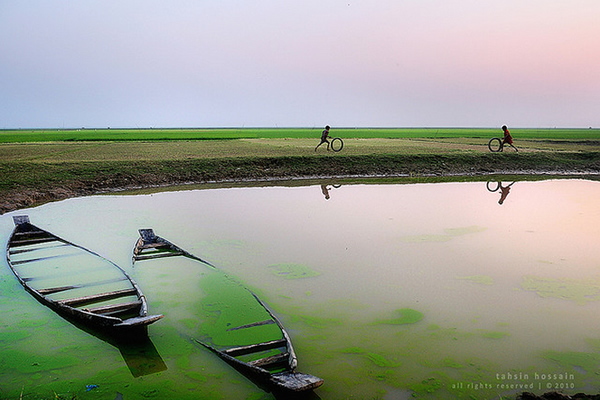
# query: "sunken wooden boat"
[78,284]
[234,323]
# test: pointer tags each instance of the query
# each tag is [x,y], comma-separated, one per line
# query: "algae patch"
[406,316]
[381,361]
[586,361]
[578,290]
[448,235]
[493,334]
[292,271]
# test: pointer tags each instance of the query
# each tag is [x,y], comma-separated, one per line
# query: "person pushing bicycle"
[324,136]
[507,138]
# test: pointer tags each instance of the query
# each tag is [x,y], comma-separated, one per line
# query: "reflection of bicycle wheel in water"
[491,188]
[495,145]
[337,144]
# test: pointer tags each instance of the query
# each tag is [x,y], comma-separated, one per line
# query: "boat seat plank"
[265,322]
[18,236]
[158,255]
[31,232]
[155,245]
[98,297]
[26,242]
[254,348]
[28,260]
[58,289]
[115,308]
[282,358]
[60,244]
[61,274]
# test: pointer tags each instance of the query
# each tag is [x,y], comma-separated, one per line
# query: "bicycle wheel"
[495,145]
[491,182]
[337,144]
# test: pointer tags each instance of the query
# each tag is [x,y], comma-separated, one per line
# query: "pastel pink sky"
[431,63]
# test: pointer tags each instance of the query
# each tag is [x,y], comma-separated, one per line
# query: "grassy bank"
[45,165]
[26,183]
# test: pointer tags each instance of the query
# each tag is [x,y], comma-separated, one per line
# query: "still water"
[446,290]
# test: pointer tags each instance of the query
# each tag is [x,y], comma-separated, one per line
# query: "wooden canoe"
[234,323]
[77,283]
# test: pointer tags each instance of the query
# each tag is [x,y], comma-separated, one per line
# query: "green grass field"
[84,135]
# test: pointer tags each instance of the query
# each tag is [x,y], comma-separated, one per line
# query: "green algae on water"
[353,350]
[292,271]
[493,334]
[448,235]
[430,385]
[451,363]
[587,361]
[27,363]
[220,313]
[578,290]
[9,336]
[318,322]
[381,361]
[406,316]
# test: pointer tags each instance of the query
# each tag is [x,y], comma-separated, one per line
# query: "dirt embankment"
[29,184]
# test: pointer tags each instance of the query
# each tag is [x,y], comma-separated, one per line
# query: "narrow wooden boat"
[77,283]
[234,323]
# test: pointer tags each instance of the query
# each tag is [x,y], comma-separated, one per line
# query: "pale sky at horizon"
[267,63]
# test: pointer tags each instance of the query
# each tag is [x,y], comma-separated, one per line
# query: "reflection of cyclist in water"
[504,190]
[325,191]
[324,136]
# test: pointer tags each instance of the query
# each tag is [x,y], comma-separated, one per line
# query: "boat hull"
[232,321]
[75,282]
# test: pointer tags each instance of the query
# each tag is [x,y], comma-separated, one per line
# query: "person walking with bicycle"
[507,138]
[324,136]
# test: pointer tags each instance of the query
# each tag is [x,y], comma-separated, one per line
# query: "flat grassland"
[43,165]
[78,135]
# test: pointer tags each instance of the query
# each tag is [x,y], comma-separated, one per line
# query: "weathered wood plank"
[26,242]
[156,245]
[282,358]
[19,262]
[98,297]
[266,322]
[158,255]
[238,351]
[32,233]
[62,273]
[115,308]
[58,289]
[60,244]
[139,321]
[296,381]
